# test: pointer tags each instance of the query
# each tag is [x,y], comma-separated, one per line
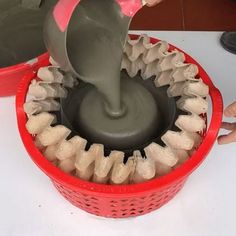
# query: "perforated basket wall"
[121,206]
[129,200]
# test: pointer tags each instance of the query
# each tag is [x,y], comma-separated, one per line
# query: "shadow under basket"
[11,76]
[126,200]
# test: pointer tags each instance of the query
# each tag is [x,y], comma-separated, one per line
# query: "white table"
[29,204]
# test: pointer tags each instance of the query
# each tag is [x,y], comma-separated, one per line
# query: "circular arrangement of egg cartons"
[112,186]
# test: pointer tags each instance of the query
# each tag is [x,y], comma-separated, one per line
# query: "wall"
[215,15]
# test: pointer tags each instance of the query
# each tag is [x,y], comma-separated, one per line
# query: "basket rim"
[23,65]
[76,184]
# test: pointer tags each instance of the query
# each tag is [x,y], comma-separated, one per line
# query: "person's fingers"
[152,3]
[230,111]
[226,139]
[228,126]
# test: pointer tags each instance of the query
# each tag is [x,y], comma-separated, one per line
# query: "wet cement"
[117,112]
[138,123]
[117,135]
[95,47]
[21,31]
[111,109]
[108,106]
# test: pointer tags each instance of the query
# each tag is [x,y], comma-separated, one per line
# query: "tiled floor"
[188,15]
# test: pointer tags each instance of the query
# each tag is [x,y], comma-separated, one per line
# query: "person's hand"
[152,3]
[229,112]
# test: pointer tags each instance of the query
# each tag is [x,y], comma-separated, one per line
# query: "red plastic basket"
[11,76]
[129,200]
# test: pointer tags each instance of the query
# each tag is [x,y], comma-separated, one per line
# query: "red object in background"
[128,200]
[12,75]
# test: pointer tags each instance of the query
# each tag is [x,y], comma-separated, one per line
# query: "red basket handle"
[217,106]
[217,111]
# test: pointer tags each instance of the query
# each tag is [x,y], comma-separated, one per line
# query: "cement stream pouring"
[115,106]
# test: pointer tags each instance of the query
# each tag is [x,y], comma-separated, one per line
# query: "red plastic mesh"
[117,206]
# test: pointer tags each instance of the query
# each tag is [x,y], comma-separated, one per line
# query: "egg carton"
[169,69]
